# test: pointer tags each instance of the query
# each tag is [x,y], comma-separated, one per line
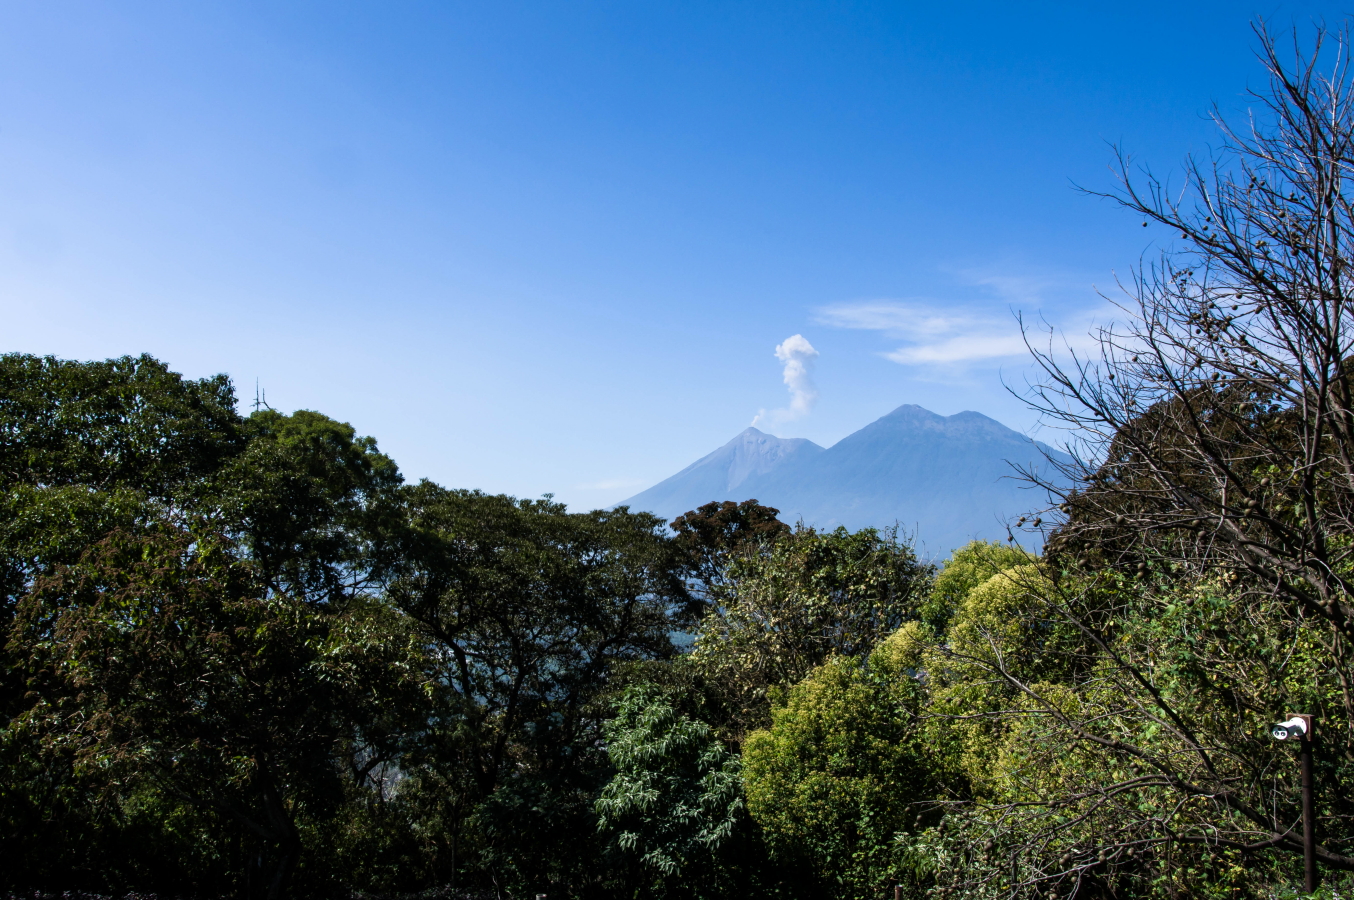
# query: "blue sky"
[555,247]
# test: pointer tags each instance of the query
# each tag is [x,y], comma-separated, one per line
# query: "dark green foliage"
[787,606]
[317,506]
[527,608]
[160,660]
[674,809]
[241,656]
[711,535]
[124,423]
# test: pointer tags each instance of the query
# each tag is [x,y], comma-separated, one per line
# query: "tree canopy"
[241,656]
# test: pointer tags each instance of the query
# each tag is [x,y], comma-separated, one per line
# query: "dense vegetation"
[241,656]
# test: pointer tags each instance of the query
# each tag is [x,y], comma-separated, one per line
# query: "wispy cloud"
[895,318]
[798,355]
[930,334]
[1021,291]
[960,349]
[954,334]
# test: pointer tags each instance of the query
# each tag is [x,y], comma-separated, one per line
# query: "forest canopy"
[242,656]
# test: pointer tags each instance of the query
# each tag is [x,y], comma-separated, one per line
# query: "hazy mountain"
[948,479]
[720,475]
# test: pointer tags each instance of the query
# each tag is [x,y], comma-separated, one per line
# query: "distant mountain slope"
[949,479]
[720,475]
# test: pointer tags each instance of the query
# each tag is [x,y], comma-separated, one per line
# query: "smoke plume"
[798,355]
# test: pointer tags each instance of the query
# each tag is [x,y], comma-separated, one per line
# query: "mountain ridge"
[948,478]
[749,454]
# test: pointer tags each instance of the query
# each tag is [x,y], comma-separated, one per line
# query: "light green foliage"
[836,775]
[786,607]
[997,617]
[1001,623]
[675,801]
[1139,759]
[967,567]
[983,595]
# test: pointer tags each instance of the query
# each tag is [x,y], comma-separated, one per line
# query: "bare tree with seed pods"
[1200,572]
[1219,414]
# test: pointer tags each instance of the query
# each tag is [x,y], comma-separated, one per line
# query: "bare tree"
[1205,557]
[1219,411]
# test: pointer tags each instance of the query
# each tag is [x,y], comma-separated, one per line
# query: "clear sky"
[567,247]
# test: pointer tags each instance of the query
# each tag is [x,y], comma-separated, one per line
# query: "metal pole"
[1308,817]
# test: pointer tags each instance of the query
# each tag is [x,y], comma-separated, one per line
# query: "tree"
[315,506]
[675,804]
[121,423]
[85,449]
[840,772]
[186,583]
[786,607]
[85,446]
[713,534]
[1217,417]
[527,609]
[1113,732]
[967,567]
[1204,560]
[161,657]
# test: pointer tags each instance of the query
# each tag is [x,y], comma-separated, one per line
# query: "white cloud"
[930,334]
[958,349]
[894,318]
[798,355]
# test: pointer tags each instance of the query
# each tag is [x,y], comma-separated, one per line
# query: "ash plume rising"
[798,355]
